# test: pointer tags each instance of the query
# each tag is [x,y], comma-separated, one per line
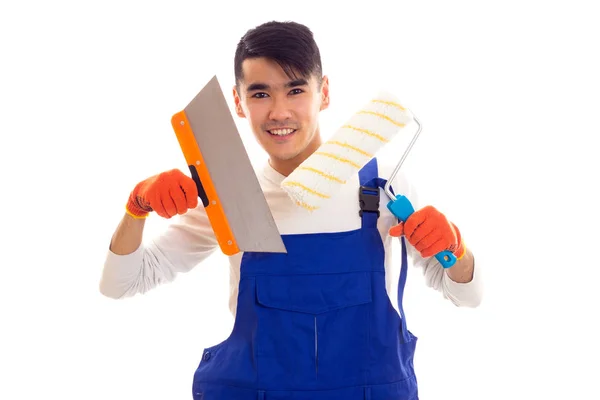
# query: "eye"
[259,95]
[296,91]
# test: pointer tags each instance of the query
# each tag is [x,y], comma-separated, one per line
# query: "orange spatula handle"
[206,188]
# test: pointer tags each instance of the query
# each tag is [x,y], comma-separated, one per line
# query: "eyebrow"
[264,86]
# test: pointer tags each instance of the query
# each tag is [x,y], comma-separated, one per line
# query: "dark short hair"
[290,44]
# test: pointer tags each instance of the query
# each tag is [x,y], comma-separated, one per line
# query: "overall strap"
[368,194]
[369,199]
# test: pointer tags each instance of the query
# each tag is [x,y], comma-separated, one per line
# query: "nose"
[280,110]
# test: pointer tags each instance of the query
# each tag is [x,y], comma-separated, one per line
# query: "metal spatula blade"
[226,181]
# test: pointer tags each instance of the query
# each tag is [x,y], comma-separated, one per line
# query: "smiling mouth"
[281,132]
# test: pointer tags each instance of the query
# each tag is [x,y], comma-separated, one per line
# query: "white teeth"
[281,132]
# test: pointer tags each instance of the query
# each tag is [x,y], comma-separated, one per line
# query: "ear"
[324,93]
[238,103]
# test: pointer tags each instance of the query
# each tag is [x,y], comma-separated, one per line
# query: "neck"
[286,167]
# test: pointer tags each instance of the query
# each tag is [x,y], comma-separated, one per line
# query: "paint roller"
[350,148]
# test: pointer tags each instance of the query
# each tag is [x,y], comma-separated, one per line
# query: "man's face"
[282,112]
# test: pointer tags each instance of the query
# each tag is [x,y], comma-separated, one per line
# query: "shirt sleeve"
[467,294]
[186,242]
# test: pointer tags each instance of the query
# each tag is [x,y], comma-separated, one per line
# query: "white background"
[508,94]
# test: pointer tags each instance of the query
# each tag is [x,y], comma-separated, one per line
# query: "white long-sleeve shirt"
[189,240]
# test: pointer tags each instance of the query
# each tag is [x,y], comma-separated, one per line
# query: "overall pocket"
[313,330]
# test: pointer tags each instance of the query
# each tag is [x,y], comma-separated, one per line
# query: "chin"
[286,156]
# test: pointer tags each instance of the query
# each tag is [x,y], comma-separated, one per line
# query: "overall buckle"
[368,198]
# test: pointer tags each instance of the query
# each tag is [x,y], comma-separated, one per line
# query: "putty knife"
[226,182]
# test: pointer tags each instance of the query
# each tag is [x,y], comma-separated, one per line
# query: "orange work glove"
[167,193]
[429,232]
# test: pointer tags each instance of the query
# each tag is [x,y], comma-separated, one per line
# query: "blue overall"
[316,323]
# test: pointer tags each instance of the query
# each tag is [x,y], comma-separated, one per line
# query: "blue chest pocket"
[314,294]
[313,328]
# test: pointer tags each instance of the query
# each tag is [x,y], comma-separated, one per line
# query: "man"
[317,322]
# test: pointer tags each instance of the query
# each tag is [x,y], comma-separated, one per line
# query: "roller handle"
[402,209]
